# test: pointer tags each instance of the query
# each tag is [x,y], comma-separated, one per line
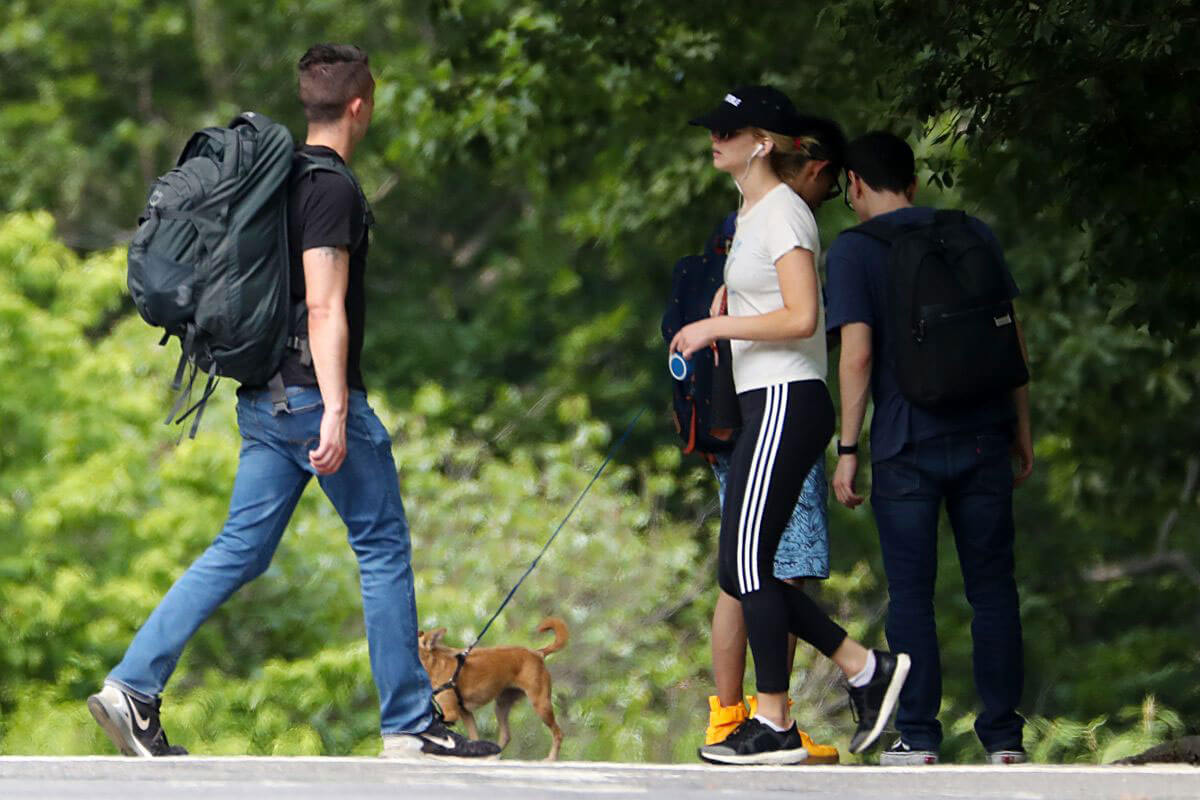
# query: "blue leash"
[612,451]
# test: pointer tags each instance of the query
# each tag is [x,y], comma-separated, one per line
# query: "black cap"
[752,107]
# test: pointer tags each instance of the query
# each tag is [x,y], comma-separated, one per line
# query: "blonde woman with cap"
[776,331]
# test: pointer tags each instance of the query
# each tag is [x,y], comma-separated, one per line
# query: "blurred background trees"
[535,178]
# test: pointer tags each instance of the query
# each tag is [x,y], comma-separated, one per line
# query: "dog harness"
[452,684]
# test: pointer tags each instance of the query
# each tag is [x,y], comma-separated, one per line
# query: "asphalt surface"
[105,778]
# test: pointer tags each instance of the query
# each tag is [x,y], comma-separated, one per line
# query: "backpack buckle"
[278,392]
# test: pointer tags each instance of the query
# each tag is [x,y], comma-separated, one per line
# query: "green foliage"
[535,178]
[1088,102]
[1096,741]
[111,514]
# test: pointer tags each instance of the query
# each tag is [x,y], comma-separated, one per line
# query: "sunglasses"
[835,189]
[725,134]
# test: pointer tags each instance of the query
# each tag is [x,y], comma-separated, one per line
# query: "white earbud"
[758,148]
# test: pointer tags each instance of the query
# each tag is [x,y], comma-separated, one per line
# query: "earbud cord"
[738,182]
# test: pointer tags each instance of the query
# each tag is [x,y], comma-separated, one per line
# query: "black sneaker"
[132,725]
[436,741]
[755,742]
[873,704]
[901,755]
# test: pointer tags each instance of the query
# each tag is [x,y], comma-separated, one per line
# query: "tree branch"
[1130,568]
[1162,558]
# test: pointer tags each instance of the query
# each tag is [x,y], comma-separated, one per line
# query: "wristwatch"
[847,449]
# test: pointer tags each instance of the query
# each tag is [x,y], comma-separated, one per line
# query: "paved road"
[328,778]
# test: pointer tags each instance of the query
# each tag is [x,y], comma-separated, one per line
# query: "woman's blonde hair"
[822,140]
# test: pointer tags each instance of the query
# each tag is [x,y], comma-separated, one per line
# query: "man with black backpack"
[922,302]
[312,419]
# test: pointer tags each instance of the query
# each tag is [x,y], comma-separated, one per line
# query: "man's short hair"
[883,160]
[331,75]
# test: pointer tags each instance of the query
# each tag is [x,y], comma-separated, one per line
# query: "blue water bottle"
[680,367]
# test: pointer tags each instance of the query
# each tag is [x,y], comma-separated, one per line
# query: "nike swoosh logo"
[441,741]
[139,720]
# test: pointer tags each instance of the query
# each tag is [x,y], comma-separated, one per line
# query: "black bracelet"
[847,449]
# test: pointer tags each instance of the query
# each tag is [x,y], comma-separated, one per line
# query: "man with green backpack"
[302,407]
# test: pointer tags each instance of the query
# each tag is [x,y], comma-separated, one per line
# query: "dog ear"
[435,637]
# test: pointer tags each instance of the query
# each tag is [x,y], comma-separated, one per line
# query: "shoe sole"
[890,697]
[908,760]
[432,757]
[1004,760]
[775,757]
[822,760]
[460,759]
[114,727]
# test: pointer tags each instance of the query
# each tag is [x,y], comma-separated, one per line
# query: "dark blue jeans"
[272,472]
[972,473]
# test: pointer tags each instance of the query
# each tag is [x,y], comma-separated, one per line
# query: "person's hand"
[843,481]
[1022,451]
[718,303]
[331,450]
[693,337]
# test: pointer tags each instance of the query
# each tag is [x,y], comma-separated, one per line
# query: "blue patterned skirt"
[804,549]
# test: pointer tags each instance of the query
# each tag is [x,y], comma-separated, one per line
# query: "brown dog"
[495,673]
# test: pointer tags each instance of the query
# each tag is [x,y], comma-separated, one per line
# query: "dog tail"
[560,635]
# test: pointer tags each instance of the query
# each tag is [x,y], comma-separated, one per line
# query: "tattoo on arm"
[327,252]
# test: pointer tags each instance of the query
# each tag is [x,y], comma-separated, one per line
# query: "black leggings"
[785,429]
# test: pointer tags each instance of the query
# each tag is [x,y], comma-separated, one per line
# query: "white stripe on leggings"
[751,500]
[748,494]
[781,394]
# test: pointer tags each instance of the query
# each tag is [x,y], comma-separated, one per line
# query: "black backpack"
[704,405]
[950,316]
[209,261]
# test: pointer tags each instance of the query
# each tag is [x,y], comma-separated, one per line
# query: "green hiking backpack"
[209,261]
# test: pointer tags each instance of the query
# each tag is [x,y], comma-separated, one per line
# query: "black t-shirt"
[325,210]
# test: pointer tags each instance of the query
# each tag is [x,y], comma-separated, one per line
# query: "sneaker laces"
[857,702]
[744,728]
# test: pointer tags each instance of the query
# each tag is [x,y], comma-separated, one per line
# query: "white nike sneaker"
[436,741]
[132,725]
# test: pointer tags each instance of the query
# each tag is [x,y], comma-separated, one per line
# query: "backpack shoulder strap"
[729,225]
[879,230]
[948,216]
[309,163]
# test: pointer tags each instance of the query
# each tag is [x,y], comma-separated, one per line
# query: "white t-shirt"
[778,223]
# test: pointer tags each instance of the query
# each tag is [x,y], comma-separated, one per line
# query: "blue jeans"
[273,470]
[972,473]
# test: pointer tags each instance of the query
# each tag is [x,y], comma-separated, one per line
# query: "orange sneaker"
[817,753]
[722,720]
